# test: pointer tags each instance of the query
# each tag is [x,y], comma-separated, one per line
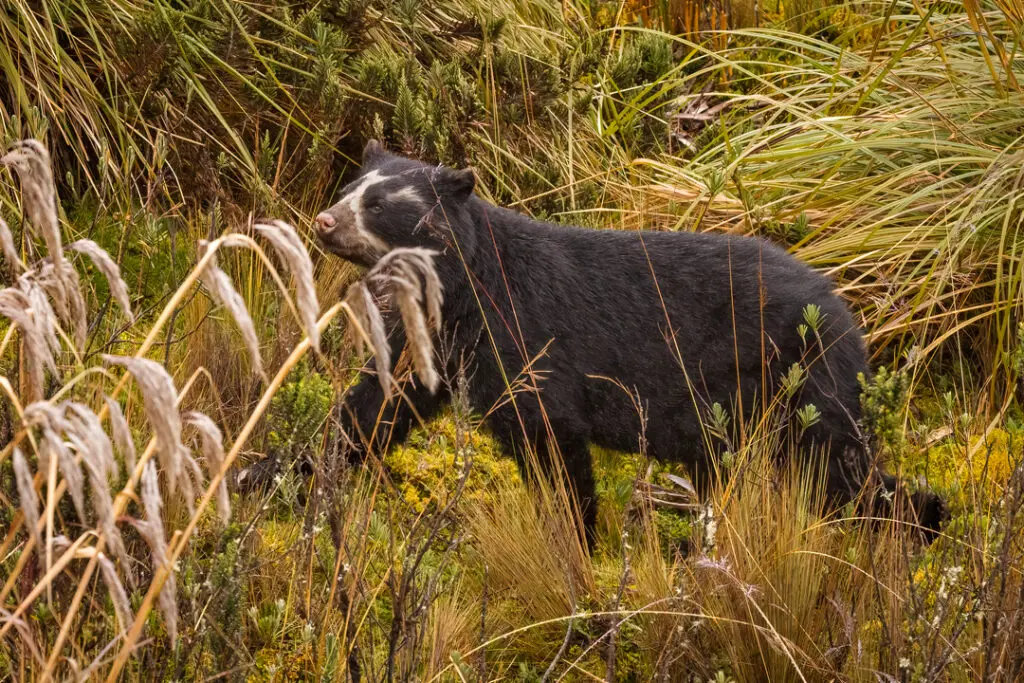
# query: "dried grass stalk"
[23,478]
[160,400]
[289,248]
[32,162]
[16,306]
[122,608]
[224,293]
[122,433]
[9,248]
[106,265]
[213,452]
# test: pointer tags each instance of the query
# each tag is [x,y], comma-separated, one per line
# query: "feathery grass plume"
[191,478]
[122,433]
[367,313]
[86,424]
[160,399]
[118,596]
[67,278]
[86,433]
[289,248]
[63,286]
[223,292]
[416,265]
[51,423]
[213,452]
[42,311]
[106,265]
[122,608]
[16,306]
[23,478]
[152,529]
[412,276]
[32,162]
[9,249]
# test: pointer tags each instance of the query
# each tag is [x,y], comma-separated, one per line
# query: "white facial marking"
[354,201]
[407,194]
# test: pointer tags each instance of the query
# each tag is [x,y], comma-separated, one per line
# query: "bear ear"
[459,184]
[372,152]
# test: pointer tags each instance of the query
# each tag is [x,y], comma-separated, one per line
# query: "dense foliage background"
[881,141]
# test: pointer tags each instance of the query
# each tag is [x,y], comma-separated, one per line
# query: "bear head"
[397,202]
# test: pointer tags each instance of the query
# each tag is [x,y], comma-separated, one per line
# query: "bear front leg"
[577,465]
[370,423]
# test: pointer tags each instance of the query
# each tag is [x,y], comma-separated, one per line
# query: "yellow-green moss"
[985,460]
[427,468]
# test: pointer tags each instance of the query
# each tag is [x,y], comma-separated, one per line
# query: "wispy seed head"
[122,433]
[32,162]
[23,478]
[213,452]
[9,249]
[160,399]
[289,248]
[106,265]
[223,292]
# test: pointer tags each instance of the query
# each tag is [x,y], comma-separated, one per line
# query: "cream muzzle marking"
[343,225]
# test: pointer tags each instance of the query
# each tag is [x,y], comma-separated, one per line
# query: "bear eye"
[377,209]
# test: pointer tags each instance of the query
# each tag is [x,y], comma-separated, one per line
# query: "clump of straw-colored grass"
[68,438]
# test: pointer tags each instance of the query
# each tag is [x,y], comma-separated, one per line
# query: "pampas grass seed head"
[289,248]
[32,162]
[160,400]
[106,265]
[213,452]
[223,292]
[9,249]
[122,433]
[23,479]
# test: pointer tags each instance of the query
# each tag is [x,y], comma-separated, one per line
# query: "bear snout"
[339,233]
[324,221]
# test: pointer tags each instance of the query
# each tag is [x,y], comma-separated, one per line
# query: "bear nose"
[324,221]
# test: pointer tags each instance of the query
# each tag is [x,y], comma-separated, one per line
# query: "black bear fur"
[590,317]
